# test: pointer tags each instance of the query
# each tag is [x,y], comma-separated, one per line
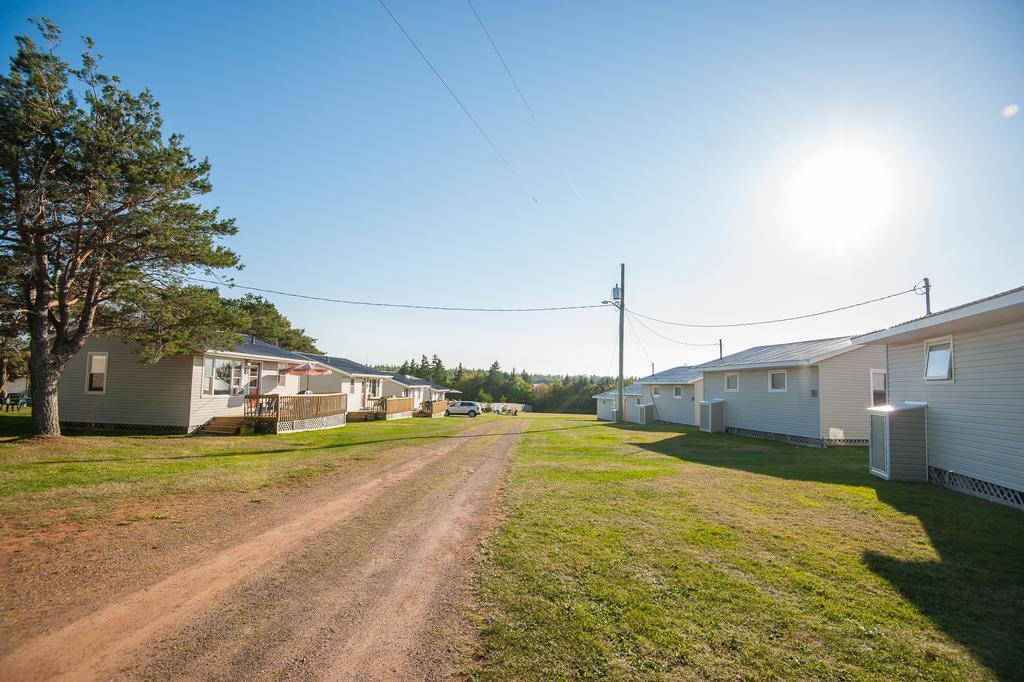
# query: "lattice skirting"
[780,437]
[311,424]
[844,442]
[135,428]
[977,487]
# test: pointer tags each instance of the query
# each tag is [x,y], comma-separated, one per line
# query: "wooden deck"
[297,412]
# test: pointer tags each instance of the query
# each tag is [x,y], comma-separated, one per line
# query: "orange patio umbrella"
[308,369]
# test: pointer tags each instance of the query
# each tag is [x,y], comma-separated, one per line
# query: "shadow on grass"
[974,592]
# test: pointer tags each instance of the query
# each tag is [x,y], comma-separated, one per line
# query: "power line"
[395,305]
[629,318]
[657,333]
[456,98]
[522,96]
[914,289]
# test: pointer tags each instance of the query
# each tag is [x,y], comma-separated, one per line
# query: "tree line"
[546,393]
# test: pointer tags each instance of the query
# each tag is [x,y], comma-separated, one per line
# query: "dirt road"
[364,578]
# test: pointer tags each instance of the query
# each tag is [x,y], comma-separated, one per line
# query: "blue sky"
[682,124]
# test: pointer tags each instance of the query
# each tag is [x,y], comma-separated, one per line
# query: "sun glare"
[840,194]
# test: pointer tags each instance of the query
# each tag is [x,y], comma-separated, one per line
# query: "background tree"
[13,358]
[98,227]
[264,321]
[438,374]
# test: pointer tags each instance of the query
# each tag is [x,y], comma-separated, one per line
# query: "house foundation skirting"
[779,437]
[844,442]
[314,424]
[106,426]
[399,415]
[974,486]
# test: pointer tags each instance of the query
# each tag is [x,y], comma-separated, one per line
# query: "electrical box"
[712,415]
[898,442]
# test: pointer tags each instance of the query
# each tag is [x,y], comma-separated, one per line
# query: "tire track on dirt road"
[104,644]
[381,596]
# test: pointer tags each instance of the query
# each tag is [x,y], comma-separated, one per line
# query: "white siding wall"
[605,408]
[670,408]
[136,393]
[846,392]
[202,408]
[794,413]
[340,383]
[975,423]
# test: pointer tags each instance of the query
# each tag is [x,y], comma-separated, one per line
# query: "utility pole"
[927,296]
[620,416]
[719,349]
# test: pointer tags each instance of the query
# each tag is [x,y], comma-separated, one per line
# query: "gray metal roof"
[250,345]
[677,375]
[632,389]
[345,365]
[781,354]
[407,379]
[438,387]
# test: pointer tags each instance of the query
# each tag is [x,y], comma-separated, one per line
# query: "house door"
[255,371]
[878,446]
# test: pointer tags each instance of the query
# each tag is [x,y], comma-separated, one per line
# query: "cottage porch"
[287,413]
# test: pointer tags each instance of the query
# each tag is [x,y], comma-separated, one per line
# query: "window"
[222,376]
[96,373]
[732,382]
[352,386]
[938,364]
[777,382]
[677,392]
[878,388]
[637,401]
[656,391]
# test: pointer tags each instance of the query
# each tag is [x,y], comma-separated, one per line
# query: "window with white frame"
[655,391]
[638,400]
[677,392]
[222,376]
[938,360]
[96,373]
[878,388]
[777,382]
[732,381]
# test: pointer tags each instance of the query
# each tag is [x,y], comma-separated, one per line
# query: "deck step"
[223,426]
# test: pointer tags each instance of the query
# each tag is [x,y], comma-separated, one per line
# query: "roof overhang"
[983,313]
[257,356]
[665,382]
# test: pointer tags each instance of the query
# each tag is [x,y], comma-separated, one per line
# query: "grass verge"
[663,553]
[85,478]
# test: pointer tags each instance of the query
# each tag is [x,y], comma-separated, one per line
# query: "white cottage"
[963,368]
[608,402]
[107,385]
[362,384]
[808,392]
[675,393]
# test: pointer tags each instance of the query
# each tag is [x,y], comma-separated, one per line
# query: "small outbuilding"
[675,393]
[608,401]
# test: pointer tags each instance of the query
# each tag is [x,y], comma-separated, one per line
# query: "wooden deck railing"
[396,405]
[292,407]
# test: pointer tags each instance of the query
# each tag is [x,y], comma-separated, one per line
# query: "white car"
[467,407]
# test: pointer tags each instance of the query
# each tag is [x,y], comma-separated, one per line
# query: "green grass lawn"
[88,477]
[660,552]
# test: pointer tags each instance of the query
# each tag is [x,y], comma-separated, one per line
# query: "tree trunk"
[45,413]
[4,364]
